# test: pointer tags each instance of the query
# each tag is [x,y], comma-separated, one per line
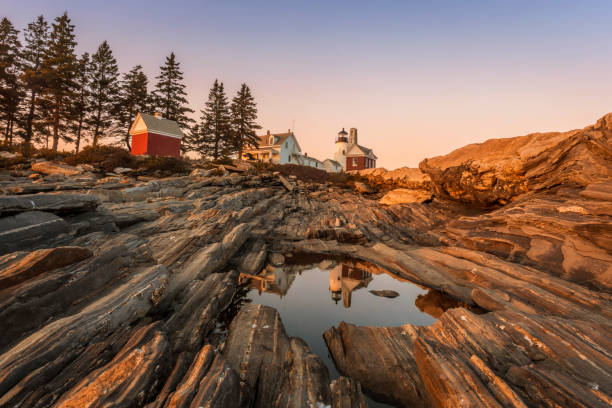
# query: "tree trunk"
[11,131]
[56,126]
[30,119]
[78,138]
[98,116]
[216,150]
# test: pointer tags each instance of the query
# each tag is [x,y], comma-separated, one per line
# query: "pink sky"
[418,79]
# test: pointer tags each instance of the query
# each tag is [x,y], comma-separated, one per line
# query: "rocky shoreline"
[112,288]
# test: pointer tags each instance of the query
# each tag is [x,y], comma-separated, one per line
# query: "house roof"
[358,150]
[264,140]
[156,125]
[334,162]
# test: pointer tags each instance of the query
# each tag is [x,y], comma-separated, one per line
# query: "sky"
[416,78]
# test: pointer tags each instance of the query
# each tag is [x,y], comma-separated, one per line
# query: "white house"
[305,160]
[281,148]
[332,166]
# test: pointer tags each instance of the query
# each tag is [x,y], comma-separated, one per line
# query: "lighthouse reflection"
[344,279]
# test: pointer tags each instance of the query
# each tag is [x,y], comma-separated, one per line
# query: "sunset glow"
[418,79]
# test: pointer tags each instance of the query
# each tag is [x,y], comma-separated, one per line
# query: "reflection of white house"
[272,279]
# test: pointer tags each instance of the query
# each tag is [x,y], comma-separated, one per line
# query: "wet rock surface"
[121,291]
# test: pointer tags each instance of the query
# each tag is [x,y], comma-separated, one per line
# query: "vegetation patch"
[107,157]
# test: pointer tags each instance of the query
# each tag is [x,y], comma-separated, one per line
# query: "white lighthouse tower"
[341,144]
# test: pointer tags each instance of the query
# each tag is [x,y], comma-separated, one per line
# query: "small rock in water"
[385,293]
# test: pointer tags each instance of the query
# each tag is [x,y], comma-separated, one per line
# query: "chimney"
[268,133]
[353,136]
[289,131]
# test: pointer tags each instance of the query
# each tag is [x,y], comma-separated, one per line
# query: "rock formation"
[119,290]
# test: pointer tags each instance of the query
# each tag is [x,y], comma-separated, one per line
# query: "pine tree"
[169,93]
[133,98]
[213,139]
[104,91]
[10,91]
[244,115]
[36,41]
[58,70]
[191,141]
[81,104]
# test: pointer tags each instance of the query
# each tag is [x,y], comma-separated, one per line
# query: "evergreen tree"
[191,141]
[213,139]
[104,90]
[58,70]
[10,92]
[133,98]
[36,39]
[169,93]
[81,104]
[244,115]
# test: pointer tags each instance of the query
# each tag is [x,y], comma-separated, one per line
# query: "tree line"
[49,94]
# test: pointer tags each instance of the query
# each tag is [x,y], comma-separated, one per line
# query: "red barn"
[155,136]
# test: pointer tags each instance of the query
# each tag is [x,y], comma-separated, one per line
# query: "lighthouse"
[341,144]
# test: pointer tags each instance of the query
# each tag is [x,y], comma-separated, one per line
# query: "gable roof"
[264,140]
[358,150]
[149,123]
[334,162]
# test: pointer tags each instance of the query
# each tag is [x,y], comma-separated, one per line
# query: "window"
[354,161]
[271,140]
[286,145]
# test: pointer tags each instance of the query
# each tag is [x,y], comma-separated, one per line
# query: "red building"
[351,155]
[154,136]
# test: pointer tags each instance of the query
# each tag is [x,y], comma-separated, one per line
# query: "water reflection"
[344,279]
[313,297]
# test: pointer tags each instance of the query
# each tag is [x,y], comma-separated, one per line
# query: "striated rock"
[55,203]
[406,177]
[128,379]
[346,393]
[165,251]
[364,188]
[498,170]
[197,309]
[372,356]
[121,170]
[285,183]
[53,168]
[405,196]
[31,229]
[210,382]
[37,262]
[274,370]
[55,345]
